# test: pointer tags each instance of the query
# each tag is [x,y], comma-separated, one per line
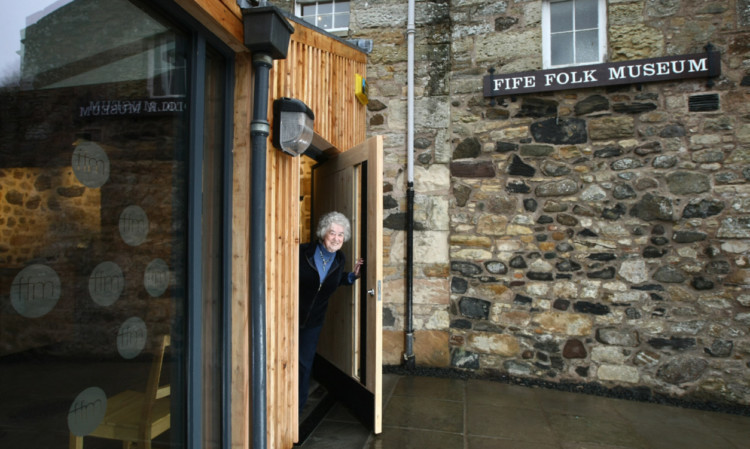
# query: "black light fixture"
[292,125]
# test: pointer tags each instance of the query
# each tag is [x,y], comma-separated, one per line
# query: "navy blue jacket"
[314,295]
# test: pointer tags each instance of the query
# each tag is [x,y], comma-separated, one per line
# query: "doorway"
[349,359]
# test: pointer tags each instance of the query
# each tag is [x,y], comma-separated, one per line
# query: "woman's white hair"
[325,222]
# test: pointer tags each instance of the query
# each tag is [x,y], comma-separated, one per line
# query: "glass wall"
[95,146]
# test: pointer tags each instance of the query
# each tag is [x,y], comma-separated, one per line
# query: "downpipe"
[409,360]
[259,132]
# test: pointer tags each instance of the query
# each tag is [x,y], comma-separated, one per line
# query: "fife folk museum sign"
[700,65]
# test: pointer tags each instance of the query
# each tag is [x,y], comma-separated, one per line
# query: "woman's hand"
[357,267]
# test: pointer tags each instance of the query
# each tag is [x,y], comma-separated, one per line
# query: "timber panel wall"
[320,71]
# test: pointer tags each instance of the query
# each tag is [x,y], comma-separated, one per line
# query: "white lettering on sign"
[105,108]
[575,77]
[663,68]
[527,82]
[698,66]
[646,70]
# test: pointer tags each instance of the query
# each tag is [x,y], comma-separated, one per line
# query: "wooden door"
[349,361]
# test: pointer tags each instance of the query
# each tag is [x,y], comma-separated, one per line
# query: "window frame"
[298,12]
[192,360]
[546,35]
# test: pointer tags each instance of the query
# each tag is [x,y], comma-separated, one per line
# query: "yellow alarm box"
[360,91]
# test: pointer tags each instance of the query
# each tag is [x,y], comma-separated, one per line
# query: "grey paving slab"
[424,412]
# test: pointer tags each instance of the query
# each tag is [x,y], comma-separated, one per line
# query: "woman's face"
[334,238]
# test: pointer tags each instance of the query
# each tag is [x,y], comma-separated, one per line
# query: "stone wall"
[586,236]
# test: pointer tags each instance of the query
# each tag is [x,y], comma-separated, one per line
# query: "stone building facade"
[594,236]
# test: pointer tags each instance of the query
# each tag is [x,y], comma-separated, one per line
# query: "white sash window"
[330,15]
[574,32]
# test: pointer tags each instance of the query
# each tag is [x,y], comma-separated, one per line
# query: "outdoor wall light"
[292,125]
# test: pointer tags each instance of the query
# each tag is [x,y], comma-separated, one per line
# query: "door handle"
[371,292]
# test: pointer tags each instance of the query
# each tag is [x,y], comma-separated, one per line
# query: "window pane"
[341,6]
[325,8]
[341,21]
[587,46]
[561,16]
[93,170]
[308,10]
[562,48]
[309,19]
[325,22]
[586,14]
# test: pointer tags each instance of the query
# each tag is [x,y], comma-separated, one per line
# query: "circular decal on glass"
[90,164]
[133,225]
[35,291]
[106,283]
[156,277]
[131,338]
[87,411]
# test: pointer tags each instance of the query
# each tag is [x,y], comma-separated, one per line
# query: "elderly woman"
[321,271]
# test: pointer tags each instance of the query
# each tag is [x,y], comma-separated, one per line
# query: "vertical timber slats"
[313,60]
[319,70]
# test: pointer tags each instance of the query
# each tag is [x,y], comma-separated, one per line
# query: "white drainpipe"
[410,29]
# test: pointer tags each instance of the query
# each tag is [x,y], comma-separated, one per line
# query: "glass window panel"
[341,6]
[94,162]
[562,48]
[325,8]
[561,16]
[587,46]
[309,19]
[587,15]
[325,21]
[308,10]
[341,21]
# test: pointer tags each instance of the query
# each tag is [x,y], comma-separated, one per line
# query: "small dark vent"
[702,103]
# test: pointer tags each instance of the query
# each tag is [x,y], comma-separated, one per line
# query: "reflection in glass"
[93,166]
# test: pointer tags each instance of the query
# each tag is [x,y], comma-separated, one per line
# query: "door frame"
[369,156]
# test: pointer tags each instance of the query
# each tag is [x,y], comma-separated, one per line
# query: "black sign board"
[699,65]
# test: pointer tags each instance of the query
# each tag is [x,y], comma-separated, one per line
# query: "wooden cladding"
[320,71]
